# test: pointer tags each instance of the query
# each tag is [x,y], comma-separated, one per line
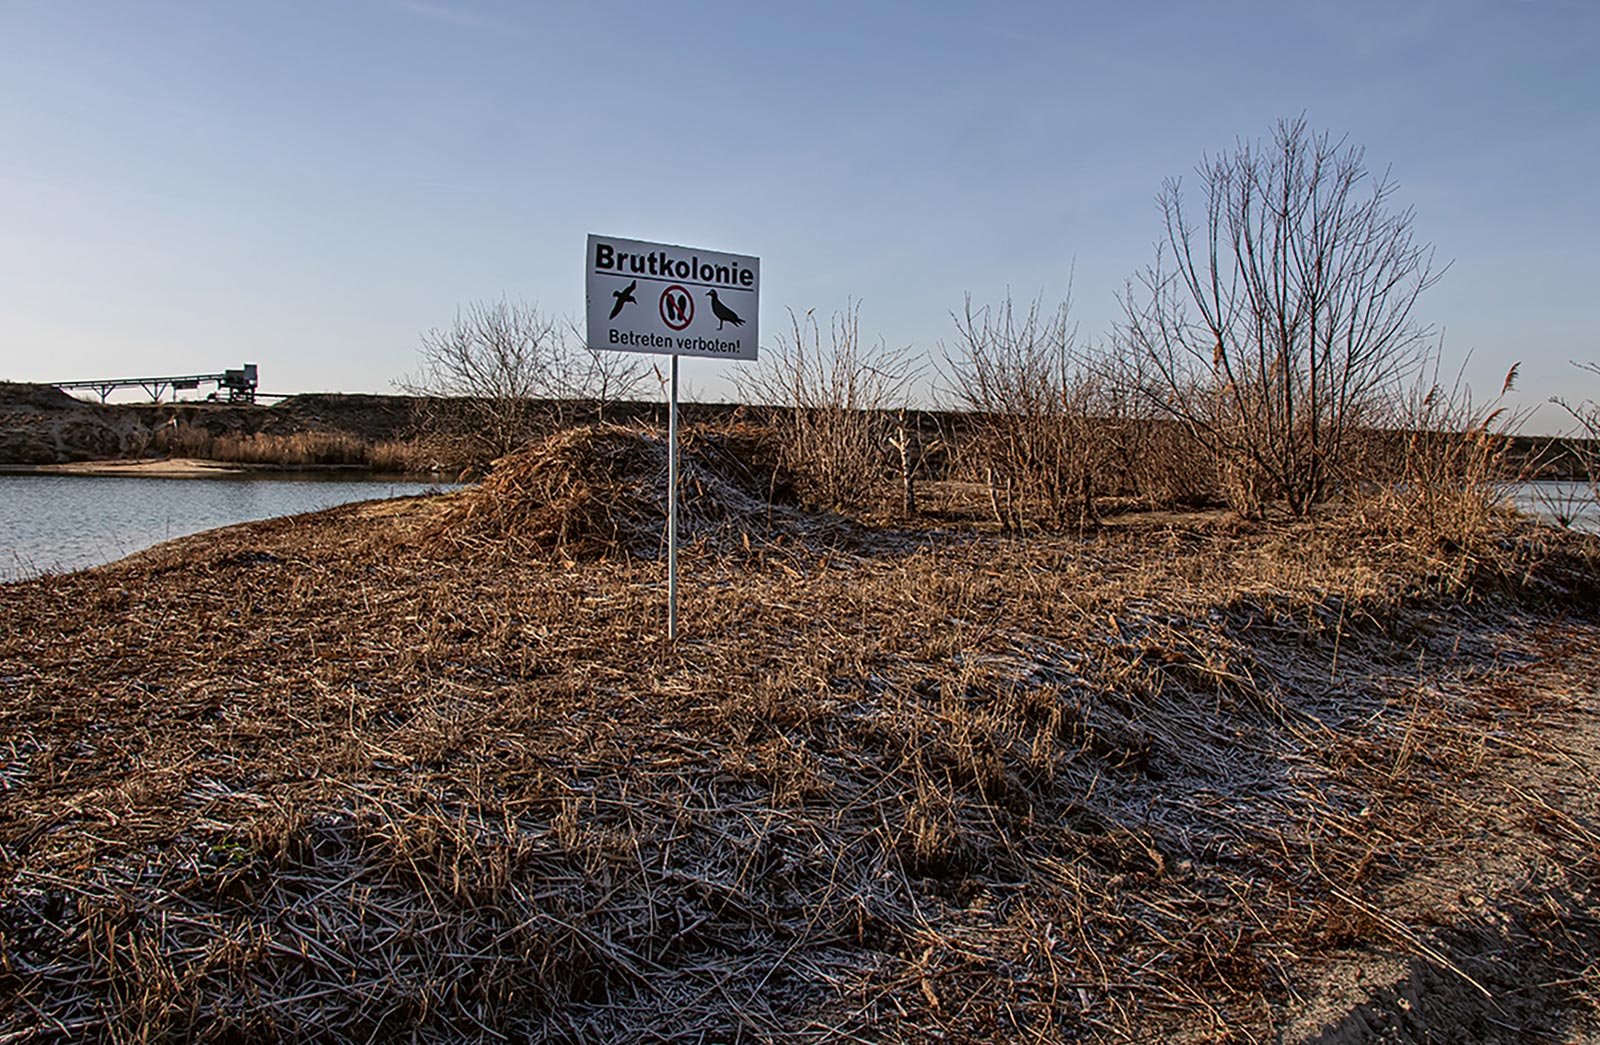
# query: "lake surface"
[56,523]
[1563,503]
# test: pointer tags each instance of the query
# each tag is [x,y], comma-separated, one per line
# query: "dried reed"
[337,777]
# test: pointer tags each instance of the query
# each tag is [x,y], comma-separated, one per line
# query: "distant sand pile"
[601,491]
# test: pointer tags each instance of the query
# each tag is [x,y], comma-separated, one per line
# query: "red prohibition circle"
[676,307]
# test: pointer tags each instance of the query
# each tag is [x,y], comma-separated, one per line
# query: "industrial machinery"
[238,386]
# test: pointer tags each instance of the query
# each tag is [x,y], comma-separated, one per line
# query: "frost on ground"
[429,768]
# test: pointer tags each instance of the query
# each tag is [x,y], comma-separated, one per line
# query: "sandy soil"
[173,468]
[1491,935]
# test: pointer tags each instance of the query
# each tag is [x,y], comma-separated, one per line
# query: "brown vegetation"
[1038,428]
[840,425]
[419,769]
[1279,321]
[602,492]
[42,426]
[305,450]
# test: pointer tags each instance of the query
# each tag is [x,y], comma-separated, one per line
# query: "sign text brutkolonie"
[669,300]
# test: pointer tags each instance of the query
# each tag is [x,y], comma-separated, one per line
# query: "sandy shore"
[170,468]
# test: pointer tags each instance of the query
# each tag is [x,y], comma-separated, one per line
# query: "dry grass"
[419,770]
[1439,476]
[839,429]
[602,492]
[308,450]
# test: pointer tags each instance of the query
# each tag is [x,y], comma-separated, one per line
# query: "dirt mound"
[40,424]
[375,417]
[16,395]
[601,491]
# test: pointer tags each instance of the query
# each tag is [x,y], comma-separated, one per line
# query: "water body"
[1574,505]
[57,523]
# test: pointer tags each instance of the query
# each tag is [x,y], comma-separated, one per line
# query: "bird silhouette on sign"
[723,313]
[624,297]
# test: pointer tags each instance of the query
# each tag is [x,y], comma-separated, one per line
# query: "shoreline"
[199,468]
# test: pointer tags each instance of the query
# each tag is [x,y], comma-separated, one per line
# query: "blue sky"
[310,186]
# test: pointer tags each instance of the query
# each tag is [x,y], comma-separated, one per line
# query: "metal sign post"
[676,301]
[672,507]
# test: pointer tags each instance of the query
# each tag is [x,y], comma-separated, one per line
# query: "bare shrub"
[839,423]
[1163,464]
[504,373]
[1033,408]
[1283,320]
[1147,455]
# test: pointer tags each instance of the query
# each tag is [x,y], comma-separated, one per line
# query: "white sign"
[682,301]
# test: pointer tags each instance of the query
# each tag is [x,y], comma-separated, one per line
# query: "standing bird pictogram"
[624,297]
[723,313]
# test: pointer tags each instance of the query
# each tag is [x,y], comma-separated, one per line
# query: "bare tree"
[1278,321]
[505,372]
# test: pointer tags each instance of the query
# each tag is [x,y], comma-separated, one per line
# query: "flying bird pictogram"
[723,313]
[624,297]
